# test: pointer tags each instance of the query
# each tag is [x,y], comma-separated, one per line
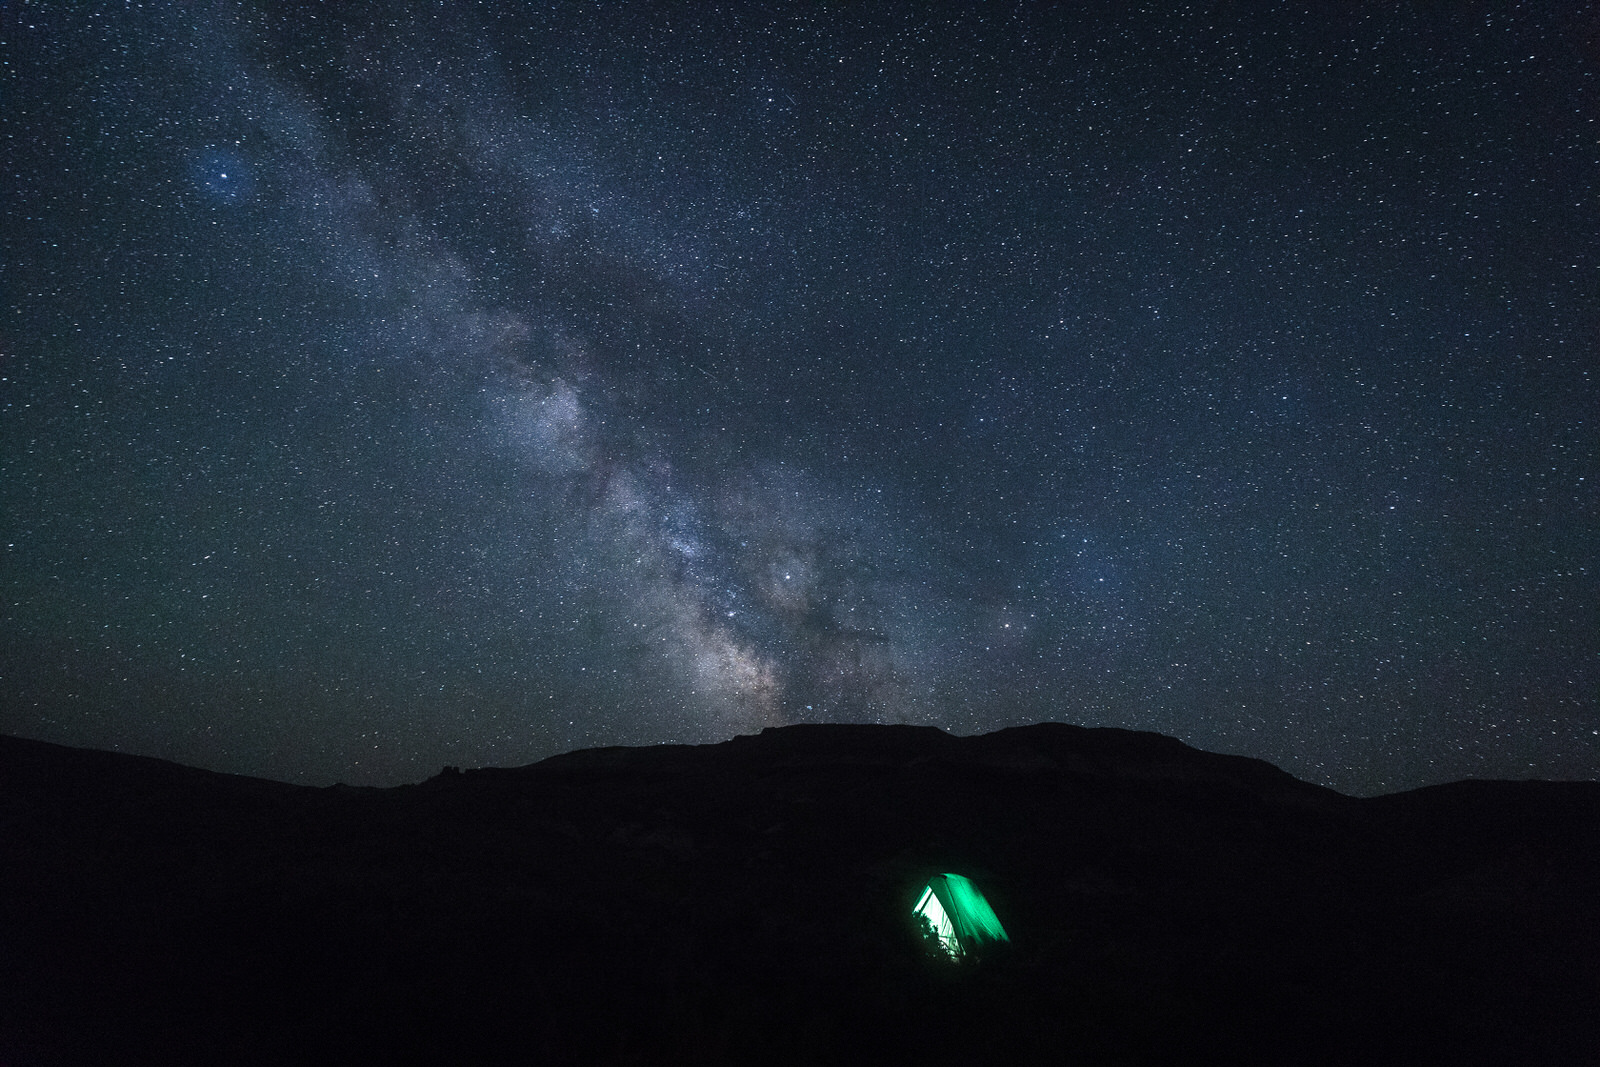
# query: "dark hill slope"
[750,901]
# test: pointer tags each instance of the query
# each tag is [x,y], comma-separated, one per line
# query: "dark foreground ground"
[750,903]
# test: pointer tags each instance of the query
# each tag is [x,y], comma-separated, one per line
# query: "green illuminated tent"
[958,914]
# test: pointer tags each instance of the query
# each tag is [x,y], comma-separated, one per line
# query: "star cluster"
[403,384]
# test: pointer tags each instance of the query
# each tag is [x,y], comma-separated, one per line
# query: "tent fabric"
[958,913]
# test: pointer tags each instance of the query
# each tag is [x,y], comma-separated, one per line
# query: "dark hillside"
[750,901]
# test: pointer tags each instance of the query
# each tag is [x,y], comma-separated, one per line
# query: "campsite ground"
[725,902]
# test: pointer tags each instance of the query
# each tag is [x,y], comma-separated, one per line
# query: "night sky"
[391,385]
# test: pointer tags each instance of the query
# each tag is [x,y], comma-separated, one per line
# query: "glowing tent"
[957,914]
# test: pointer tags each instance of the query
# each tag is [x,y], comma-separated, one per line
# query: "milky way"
[443,383]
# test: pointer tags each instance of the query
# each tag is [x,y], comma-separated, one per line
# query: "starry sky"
[393,385]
